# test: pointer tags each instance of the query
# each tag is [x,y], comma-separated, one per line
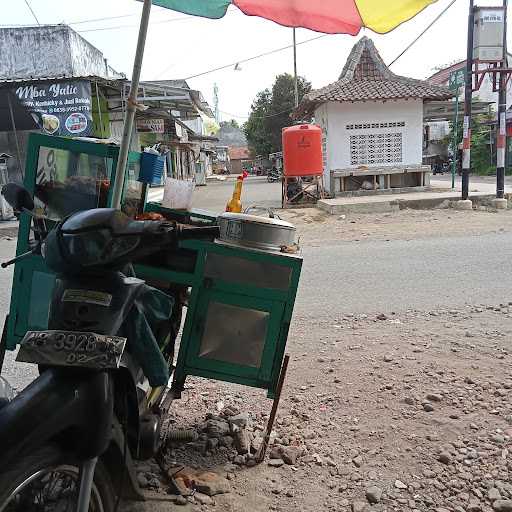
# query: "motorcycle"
[70,437]
[274,175]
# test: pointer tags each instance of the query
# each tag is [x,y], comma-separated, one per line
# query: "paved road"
[375,276]
[397,275]
[215,195]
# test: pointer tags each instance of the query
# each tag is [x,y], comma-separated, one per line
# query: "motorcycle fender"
[69,407]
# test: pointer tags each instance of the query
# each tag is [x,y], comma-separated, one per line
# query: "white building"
[372,123]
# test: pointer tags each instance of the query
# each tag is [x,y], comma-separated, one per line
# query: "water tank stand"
[301,190]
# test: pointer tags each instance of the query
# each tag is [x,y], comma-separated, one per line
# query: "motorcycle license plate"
[71,348]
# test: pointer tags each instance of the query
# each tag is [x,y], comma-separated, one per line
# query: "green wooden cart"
[241,300]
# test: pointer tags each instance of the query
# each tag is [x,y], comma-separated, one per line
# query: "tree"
[270,113]
[483,161]
[233,123]
[254,128]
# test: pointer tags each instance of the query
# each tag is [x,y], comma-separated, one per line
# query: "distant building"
[237,158]
[221,160]
[372,123]
[55,82]
[230,135]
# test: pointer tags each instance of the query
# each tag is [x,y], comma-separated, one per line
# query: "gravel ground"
[382,411]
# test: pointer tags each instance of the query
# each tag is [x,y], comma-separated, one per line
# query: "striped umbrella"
[328,16]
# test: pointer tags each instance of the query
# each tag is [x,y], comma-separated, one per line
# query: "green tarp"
[204,8]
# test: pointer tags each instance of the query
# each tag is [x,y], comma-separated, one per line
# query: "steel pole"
[455,135]
[468,93]
[295,79]
[501,126]
[131,107]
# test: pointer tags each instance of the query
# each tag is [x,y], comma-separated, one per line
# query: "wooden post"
[260,455]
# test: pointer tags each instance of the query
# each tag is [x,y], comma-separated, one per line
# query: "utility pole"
[501,126]
[296,83]
[216,102]
[468,93]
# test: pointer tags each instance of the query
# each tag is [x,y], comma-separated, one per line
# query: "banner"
[150,125]
[59,108]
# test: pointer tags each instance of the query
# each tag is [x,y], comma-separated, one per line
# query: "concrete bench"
[347,182]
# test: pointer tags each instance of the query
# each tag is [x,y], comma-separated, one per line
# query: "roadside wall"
[340,121]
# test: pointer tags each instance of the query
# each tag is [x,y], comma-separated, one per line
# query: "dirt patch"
[314,227]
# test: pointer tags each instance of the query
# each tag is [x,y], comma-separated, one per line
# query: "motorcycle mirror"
[18,197]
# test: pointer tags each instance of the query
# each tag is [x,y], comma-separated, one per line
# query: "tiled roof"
[239,153]
[365,77]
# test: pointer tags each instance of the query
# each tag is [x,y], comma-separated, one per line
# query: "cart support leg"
[3,343]
[260,455]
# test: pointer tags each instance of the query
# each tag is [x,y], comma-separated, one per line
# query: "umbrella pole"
[295,79]
[131,107]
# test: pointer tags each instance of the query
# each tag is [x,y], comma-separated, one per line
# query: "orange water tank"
[302,150]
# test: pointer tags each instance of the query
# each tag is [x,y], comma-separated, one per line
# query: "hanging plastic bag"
[178,194]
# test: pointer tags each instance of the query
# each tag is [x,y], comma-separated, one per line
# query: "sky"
[180,46]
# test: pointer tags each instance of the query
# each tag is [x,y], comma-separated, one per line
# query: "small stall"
[240,295]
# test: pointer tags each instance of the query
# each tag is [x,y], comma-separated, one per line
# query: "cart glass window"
[132,202]
[67,182]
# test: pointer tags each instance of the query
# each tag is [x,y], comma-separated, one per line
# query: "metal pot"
[255,231]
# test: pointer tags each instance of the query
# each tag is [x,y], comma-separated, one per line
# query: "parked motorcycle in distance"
[274,175]
[69,438]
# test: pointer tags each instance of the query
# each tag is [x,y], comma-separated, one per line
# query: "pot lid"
[255,219]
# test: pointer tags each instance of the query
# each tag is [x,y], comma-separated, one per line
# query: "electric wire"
[254,57]
[32,11]
[421,33]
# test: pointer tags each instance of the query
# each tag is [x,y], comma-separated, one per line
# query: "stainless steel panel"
[234,335]
[243,271]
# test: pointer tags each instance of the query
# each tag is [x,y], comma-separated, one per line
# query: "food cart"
[240,298]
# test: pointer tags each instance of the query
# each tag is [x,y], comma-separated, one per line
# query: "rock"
[211,484]
[428,473]
[256,443]
[497,438]
[275,463]
[290,454]
[445,458]
[428,407]
[358,506]
[400,485]
[143,481]
[474,506]
[181,500]
[502,506]
[217,428]
[357,461]
[381,316]
[373,494]
[433,397]
[251,463]
[408,400]
[212,443]
[242,442]
[493,494]
[226,441]
[388,358]
[203,499]
[240,420]
[275,452]
[239,460]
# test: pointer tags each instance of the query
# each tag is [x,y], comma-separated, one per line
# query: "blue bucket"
[151,169]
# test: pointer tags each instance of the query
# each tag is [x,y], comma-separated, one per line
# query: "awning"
[23,120]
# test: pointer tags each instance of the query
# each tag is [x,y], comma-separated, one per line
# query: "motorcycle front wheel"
[48,480]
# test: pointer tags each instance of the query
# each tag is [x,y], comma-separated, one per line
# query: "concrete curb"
[394,204]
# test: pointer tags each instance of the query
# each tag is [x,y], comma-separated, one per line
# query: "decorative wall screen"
[376,148]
